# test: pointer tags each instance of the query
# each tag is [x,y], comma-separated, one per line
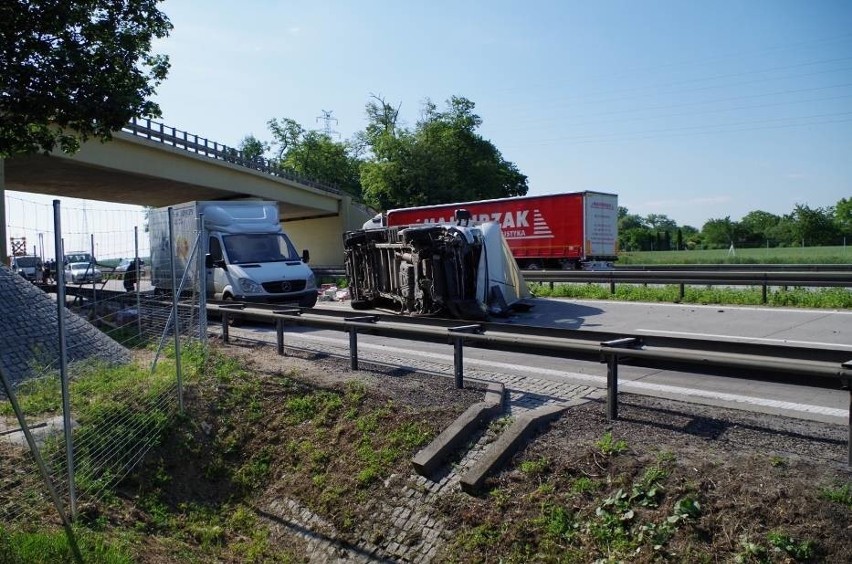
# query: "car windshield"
[79,258]
[259,247]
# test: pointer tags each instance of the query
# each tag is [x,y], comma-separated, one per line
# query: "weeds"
[608,446]
[841,494]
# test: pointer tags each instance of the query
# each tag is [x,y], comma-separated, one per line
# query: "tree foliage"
[443,159]
[252,148]
[74,70]
[315,155]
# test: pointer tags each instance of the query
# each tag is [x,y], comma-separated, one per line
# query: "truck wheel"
[362,304]
[308,301]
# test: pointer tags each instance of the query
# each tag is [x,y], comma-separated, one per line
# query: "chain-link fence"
[88,388]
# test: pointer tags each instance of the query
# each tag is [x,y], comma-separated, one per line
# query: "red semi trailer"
[563,231]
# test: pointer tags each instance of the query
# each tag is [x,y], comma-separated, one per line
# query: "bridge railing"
[161,133]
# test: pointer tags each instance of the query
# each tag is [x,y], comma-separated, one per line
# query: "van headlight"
[312,281]
[249,286]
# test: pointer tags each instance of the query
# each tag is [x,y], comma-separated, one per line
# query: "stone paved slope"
[28,331]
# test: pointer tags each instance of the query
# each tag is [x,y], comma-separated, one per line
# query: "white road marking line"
[729,337]
[711,306]
[597,381]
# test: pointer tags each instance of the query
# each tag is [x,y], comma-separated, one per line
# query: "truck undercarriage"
[429,270]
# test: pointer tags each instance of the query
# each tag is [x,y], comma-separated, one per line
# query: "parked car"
[81,272]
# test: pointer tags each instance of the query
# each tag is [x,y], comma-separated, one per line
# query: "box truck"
[556,231]
[452,269]
[249,257]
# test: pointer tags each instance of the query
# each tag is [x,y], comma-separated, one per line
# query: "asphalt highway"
[819,328]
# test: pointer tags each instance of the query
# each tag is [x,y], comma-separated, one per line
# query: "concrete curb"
[510,441]
[435,453]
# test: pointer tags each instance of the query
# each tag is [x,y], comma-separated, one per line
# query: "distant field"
[781,255]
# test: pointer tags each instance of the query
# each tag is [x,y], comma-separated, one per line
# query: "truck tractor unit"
[557,231]
[249,257]
[451,269]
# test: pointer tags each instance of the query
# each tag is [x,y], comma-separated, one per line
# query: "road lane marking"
[730,337]
[596,381]
[710,306]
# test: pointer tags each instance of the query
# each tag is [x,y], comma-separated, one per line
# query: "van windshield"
[259,247]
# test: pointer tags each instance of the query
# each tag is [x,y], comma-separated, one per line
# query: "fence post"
[63,358]
[457,337]
[609,355]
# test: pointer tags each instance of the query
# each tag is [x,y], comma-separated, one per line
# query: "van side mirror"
[209,262]
[306,256]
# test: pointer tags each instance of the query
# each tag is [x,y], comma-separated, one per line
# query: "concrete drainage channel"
[406,527]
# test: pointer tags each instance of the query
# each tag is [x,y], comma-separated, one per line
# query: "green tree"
[315,155]
[815,226]
[441,160]
[719,233]
[74,70]
[843,216]
[757,225]
[252,148]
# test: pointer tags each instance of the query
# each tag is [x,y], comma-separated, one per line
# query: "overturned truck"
[466,271]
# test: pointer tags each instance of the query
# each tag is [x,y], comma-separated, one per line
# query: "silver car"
[81,272]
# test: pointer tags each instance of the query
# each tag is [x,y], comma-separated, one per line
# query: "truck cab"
[262,267]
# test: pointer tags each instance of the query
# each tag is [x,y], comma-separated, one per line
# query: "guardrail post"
[611,358]
[612,387]
[847,383]
[611,285]
[279,327]
[225,327]
[763,291]
[682,291]
[457,337]
[353,337]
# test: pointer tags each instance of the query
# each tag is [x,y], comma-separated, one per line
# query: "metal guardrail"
[683,278]
[161,133]
[771,360]
[727,267]
[763,278]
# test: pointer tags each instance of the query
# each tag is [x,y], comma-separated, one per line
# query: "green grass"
[760,255]
[827,298]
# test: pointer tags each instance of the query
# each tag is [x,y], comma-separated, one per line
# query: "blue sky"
[696,110]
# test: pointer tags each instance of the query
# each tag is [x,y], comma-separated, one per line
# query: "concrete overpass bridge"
[151,164]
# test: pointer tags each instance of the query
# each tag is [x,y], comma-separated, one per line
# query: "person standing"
[130,276]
